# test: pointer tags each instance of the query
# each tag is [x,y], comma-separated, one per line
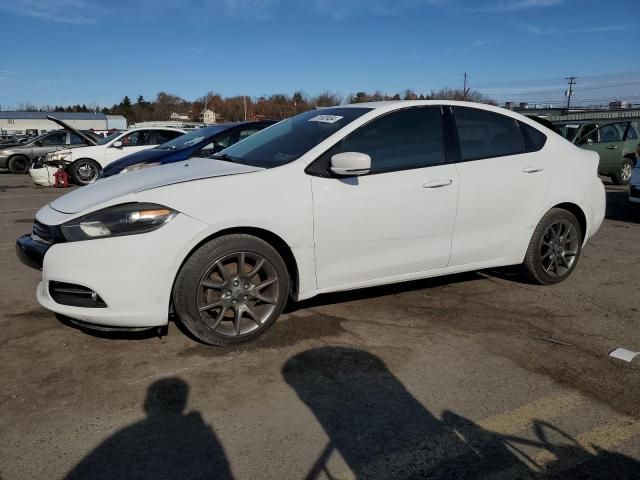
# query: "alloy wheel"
[559,248]
[627,170]
[237,294]
[87,172]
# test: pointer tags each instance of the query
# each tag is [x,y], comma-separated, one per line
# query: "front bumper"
[31,252]
[133,274]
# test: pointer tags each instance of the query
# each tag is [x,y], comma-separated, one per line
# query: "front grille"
[75,295]
[634,191]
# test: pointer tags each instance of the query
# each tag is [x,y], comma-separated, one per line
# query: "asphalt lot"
[468,376]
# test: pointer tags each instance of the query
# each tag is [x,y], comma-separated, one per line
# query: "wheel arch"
[631,156]
[579,214]
[277,242]
[87,158]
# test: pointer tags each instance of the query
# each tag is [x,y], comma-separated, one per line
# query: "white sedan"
[334,199]
[86,163]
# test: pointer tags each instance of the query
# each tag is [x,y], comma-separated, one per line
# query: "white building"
[179,117]
[208,117]
[17,123]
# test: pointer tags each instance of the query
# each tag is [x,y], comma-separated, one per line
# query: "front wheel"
[231,290]
[84,171]
[554,248]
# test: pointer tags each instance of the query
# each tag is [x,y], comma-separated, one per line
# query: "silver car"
[18,158]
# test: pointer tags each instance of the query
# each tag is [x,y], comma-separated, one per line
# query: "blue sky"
[79,51]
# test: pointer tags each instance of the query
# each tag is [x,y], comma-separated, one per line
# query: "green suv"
[616,144]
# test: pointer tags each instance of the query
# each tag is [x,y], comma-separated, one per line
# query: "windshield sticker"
[326,118]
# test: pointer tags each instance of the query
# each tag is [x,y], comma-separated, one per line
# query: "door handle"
[445,182]
[532,169]
[612,147]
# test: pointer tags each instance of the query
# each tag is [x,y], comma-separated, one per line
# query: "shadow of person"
[167,444]
[378,427]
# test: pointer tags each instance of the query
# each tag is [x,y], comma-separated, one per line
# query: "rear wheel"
[84,171]
[623,176]
[18,164]
[554,248]
[231,290]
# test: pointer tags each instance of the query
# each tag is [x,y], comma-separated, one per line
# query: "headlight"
[54,156]
[125,219]
[139,166]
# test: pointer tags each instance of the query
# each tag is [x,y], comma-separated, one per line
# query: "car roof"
[411,103]
[172,129]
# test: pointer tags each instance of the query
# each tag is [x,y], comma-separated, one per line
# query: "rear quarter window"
[532,138]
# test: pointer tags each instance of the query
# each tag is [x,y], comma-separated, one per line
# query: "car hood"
[151,155]
[66,126]
[111,188]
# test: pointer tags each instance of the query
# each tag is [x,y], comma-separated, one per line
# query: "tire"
[218,306]
[19,164]
[551,258]
[623,176]
[84,171]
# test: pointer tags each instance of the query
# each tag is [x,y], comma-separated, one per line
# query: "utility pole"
[465,90]
[569,92]
[244,102]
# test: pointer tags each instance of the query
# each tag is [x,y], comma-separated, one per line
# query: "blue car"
[201,142]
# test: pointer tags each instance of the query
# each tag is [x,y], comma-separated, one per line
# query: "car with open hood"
[19,157]
[85,165]
[334,199]
[201,142]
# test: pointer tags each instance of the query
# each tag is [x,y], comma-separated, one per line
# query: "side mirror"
[39,143]
[350,164]
[589,141]
[117,144]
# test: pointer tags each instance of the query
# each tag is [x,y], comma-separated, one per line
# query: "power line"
[552,90]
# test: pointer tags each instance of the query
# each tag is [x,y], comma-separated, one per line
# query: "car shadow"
[112,333]
[619,207]
[382,290]
[382,431]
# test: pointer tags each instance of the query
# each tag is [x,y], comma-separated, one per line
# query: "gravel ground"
[468,376]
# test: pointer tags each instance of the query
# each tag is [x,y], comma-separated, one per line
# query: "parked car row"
[87,156]
[18,157]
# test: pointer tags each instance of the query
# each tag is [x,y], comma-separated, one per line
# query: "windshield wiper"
[225,157]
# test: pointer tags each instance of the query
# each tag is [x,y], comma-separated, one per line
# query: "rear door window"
[613,132]
[484,134]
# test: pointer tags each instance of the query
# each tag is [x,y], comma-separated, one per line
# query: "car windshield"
[35,139]
[288,140]
[107,139]
[192,138]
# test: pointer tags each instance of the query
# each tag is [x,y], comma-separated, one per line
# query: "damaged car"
[85,165]
[19,157]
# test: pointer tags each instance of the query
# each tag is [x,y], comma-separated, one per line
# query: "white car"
[84,164]
[334,199]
